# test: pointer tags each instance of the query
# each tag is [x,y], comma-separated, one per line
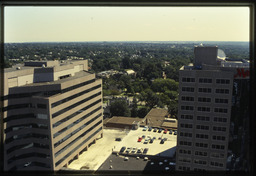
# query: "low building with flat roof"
[159,118]
[123,122]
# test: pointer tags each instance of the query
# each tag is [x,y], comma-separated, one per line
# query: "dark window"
[222,91]
[220,119]
[203,118]
[202,136]
[205,80]
[188,79]
[204,109]
[74,114]
[187,98]
[185,134]
[79,137]
[202,127]
[202,145]
[77,130]
[222,81]
[218,128]
[76,122]
[186,125]
[74,105]
[220,110]
[74,96]
[188,108]
[188,89]
[189,117]
[205,90]
[41,106]
[203,99]
[221,100]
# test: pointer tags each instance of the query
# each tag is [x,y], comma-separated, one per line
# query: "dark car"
[150,129]
[170,132]
[151,141]
[155,130]
[118,139]
[175,133]
[122,149]
[145,151]
[160,130]
[162,141]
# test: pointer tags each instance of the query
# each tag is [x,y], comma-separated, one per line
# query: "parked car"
[155,130]
[145,128]
[139,150]
[160,130]
[134,149]
[146,141]
[128,150]
[143,136]
[165,131]
[118,139]
[150,129]
[170,132]
[162,141]
[122,149]
[140,138]
[151,141]
[145,151]
[175,132]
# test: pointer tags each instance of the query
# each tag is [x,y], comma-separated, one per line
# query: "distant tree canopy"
[120,108]
[148,60]
[163,85]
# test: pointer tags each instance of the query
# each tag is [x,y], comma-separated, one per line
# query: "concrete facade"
[205,101]
[52,112]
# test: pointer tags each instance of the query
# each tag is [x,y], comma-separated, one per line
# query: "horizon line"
[120,41]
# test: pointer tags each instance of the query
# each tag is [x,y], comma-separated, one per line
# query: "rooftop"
[123,120]
[77,75]
[159,118]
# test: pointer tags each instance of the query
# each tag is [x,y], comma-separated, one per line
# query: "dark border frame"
[180,3]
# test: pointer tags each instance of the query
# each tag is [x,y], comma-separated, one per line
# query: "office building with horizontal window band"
[52,111]
[209,99]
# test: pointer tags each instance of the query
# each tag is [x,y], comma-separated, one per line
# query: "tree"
[149,97]
[134,110]
[162,85]
[120,108]
[173,108]
[142,112]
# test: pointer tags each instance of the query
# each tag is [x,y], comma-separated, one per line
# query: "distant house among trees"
[130,72]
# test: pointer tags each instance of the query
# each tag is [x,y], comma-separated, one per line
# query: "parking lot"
[97,153]
[167,149]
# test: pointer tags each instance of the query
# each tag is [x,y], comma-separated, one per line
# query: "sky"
[86,24]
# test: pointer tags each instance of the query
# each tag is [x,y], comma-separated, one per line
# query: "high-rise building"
[206,97]
[51,112]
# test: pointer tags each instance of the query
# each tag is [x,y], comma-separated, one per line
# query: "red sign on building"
[241,73]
